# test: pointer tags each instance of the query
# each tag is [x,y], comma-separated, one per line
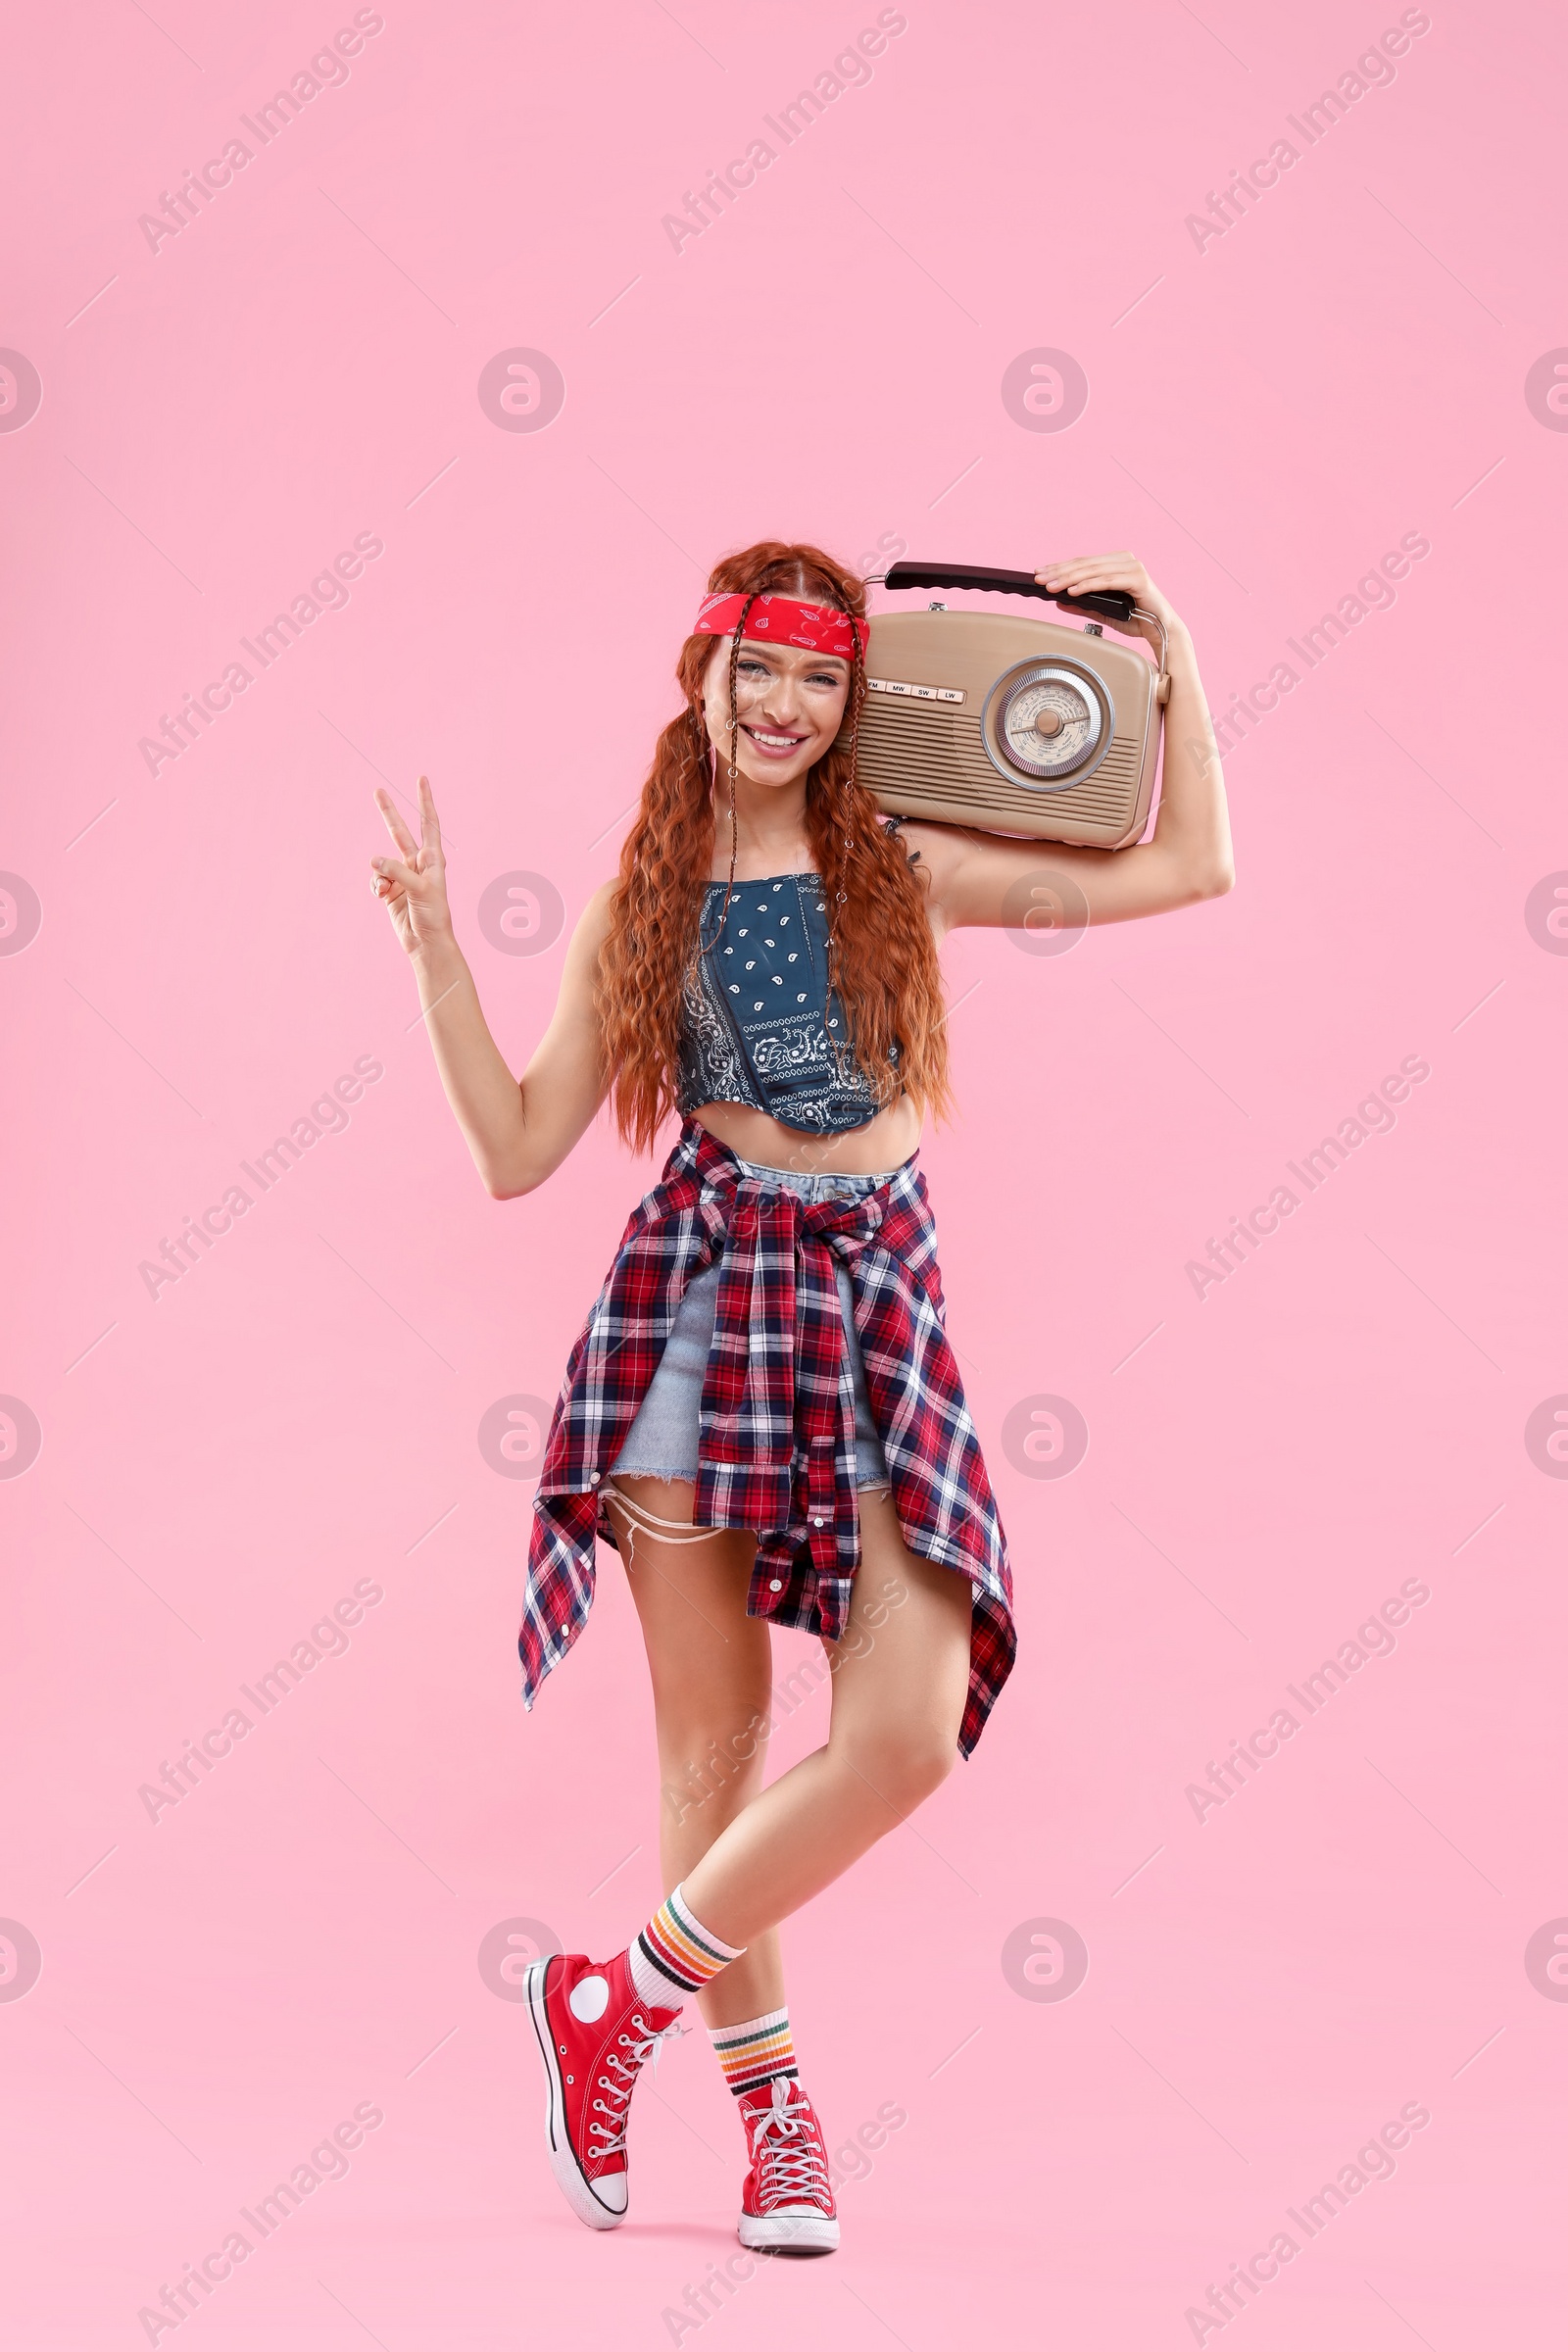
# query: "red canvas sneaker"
[595,2035]
[787,2205]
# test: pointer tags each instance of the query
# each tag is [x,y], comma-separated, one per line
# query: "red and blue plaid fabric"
[776,1439]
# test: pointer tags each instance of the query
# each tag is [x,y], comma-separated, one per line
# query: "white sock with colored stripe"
[677,1955]
[753,2053]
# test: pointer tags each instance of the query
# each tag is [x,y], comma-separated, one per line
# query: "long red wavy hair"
[887,973]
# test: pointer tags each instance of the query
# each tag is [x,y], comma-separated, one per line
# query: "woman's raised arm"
[518,1131]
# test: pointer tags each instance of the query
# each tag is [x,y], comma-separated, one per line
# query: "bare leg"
[901,1677]
[711,1666]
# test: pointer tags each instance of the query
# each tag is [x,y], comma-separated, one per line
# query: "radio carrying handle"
[1110,603]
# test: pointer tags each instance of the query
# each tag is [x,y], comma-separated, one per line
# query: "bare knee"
[902,1766]
[711,1760]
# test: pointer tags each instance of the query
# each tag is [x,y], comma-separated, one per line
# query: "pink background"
[300,1411]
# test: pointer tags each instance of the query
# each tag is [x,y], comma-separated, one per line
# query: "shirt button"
[593,1478]
[817,1522]
[777,1585]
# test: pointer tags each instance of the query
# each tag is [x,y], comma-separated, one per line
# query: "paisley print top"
[758,1024]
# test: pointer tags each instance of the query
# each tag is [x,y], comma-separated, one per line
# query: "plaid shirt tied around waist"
[776,1442]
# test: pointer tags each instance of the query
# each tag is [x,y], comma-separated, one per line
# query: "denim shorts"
[662,1441]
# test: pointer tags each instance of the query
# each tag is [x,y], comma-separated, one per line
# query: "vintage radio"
[1008,723]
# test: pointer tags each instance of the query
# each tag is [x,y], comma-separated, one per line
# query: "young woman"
[763,1413]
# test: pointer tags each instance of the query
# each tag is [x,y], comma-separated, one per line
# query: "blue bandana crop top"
[758,1025]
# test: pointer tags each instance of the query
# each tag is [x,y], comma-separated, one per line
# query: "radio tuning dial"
[1049,723]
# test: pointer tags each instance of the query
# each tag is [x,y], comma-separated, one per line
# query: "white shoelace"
[644,2044]
[791,2162]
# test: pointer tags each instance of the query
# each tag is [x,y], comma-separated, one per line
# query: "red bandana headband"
[780,620]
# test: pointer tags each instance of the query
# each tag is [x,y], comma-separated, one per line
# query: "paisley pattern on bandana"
[758,1025]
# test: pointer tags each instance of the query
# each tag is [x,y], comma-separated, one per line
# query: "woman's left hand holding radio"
[1088,575]
[975,876]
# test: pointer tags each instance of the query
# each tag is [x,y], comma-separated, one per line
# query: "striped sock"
[753,2053]
[676,1954]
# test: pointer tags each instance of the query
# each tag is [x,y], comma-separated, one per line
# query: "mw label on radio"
[922,694]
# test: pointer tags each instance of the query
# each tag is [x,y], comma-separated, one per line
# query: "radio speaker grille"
[946,752]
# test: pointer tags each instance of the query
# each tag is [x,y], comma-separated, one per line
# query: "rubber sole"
[578,2192]
[789,2234]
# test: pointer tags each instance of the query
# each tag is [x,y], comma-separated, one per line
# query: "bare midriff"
[882,1144]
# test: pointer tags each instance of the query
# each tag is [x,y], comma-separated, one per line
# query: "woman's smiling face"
[789,706]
